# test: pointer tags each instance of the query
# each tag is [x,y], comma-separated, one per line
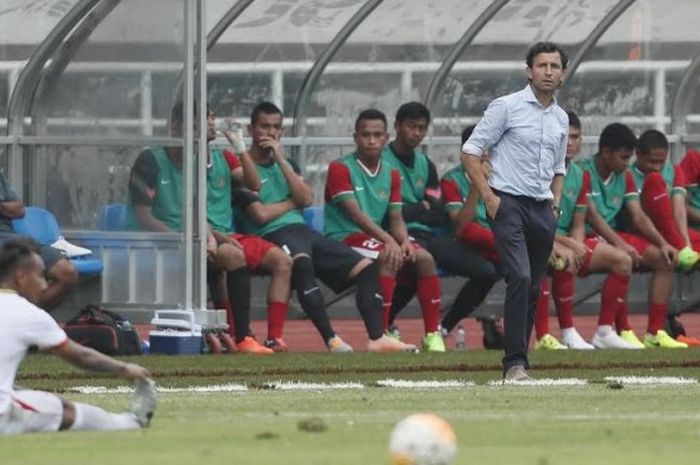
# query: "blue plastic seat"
[314,218]
[41,225]
[113,217]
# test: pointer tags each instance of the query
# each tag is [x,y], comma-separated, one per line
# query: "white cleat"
[71,250]
[386,344]
[606,338]
[573,340]
[338,346]
[143,404]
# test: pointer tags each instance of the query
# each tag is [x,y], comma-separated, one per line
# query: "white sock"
[89,417]
[566,332]
[604,330]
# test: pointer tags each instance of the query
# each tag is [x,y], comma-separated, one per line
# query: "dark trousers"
[524,232]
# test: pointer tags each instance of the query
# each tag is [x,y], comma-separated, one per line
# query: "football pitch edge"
[614,382]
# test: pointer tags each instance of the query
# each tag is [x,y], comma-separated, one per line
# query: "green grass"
[495,424]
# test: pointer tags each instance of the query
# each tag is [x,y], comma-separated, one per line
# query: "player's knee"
[65,273]
[280,262]
[304,283]
[425,261]
[622,263]
[229,257]
[654,260]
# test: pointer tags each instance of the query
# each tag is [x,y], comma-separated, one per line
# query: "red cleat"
[691,341]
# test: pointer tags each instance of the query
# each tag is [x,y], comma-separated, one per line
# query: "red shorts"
[591,242]
[639,243]
[367,246]
[254,249]
[480,238]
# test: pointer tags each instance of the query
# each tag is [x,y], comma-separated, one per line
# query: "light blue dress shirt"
[527,143]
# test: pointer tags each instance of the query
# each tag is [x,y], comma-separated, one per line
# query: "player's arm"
[486,133]
[11,206]
[604,230]
[142,187]
[245,172]
[680,213]
[302,194]
[258,212]
[559,169]
[692,214]
[460,213]
[89,359]
[645,226]
[556,187]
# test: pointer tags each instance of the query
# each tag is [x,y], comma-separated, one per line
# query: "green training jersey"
[219,210]
[611,194]
[376,193]
[455,186]
[413,180]
[574,197]
[164,191]
[273,189]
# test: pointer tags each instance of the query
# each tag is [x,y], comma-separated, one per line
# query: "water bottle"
[460,338]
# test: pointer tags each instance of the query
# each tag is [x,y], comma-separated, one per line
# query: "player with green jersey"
[274,213]
[155,204]
[612,189]
[423,212]
[363,209]
[586,255]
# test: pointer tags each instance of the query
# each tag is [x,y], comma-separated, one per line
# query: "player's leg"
[656,203]
[61,276]
[428,292]
[371,248]
[459,259]
[37,411]
[262,255]
[660,288]
[339,267]
[297,240]
[613,297]
[544,340]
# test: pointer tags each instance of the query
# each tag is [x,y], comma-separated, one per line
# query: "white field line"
[299,386]
[389,383]
[651,380]
[413,384]
[541,382]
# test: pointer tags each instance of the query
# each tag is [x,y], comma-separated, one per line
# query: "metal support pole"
[200,240]
[187,155]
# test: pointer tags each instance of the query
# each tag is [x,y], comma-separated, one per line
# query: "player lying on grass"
[363,209]
[25,326]
[587,255]
[422,211]
[274,212]
[612,188]
[155,204]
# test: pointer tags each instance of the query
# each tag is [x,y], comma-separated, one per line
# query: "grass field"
[590,423]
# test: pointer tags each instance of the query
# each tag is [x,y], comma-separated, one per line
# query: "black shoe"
[493,333]
[674,328]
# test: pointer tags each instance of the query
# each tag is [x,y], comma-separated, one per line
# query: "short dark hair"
[617,136]
[370,113]
[467,133]
[652,139]
[414,111]
[574,120]
[265,107]
[15,252]
[546,47]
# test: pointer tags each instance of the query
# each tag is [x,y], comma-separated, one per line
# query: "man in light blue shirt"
[525,134]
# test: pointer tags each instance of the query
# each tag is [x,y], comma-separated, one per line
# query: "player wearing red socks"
[587,255]
[612,188]
[363,209]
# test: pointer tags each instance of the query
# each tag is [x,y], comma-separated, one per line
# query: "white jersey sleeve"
[43,331]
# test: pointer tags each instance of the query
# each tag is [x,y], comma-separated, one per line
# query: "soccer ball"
[422,439]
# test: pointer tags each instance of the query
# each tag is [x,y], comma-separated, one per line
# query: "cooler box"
[175,333]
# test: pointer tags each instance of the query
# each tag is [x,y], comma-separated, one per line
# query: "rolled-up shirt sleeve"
[560,155]
[489,129]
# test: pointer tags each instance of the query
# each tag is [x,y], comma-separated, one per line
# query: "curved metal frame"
[220,27]
[456,51]
[29,79]
[314,74]
[681,104]
[595,36]
[67,50]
